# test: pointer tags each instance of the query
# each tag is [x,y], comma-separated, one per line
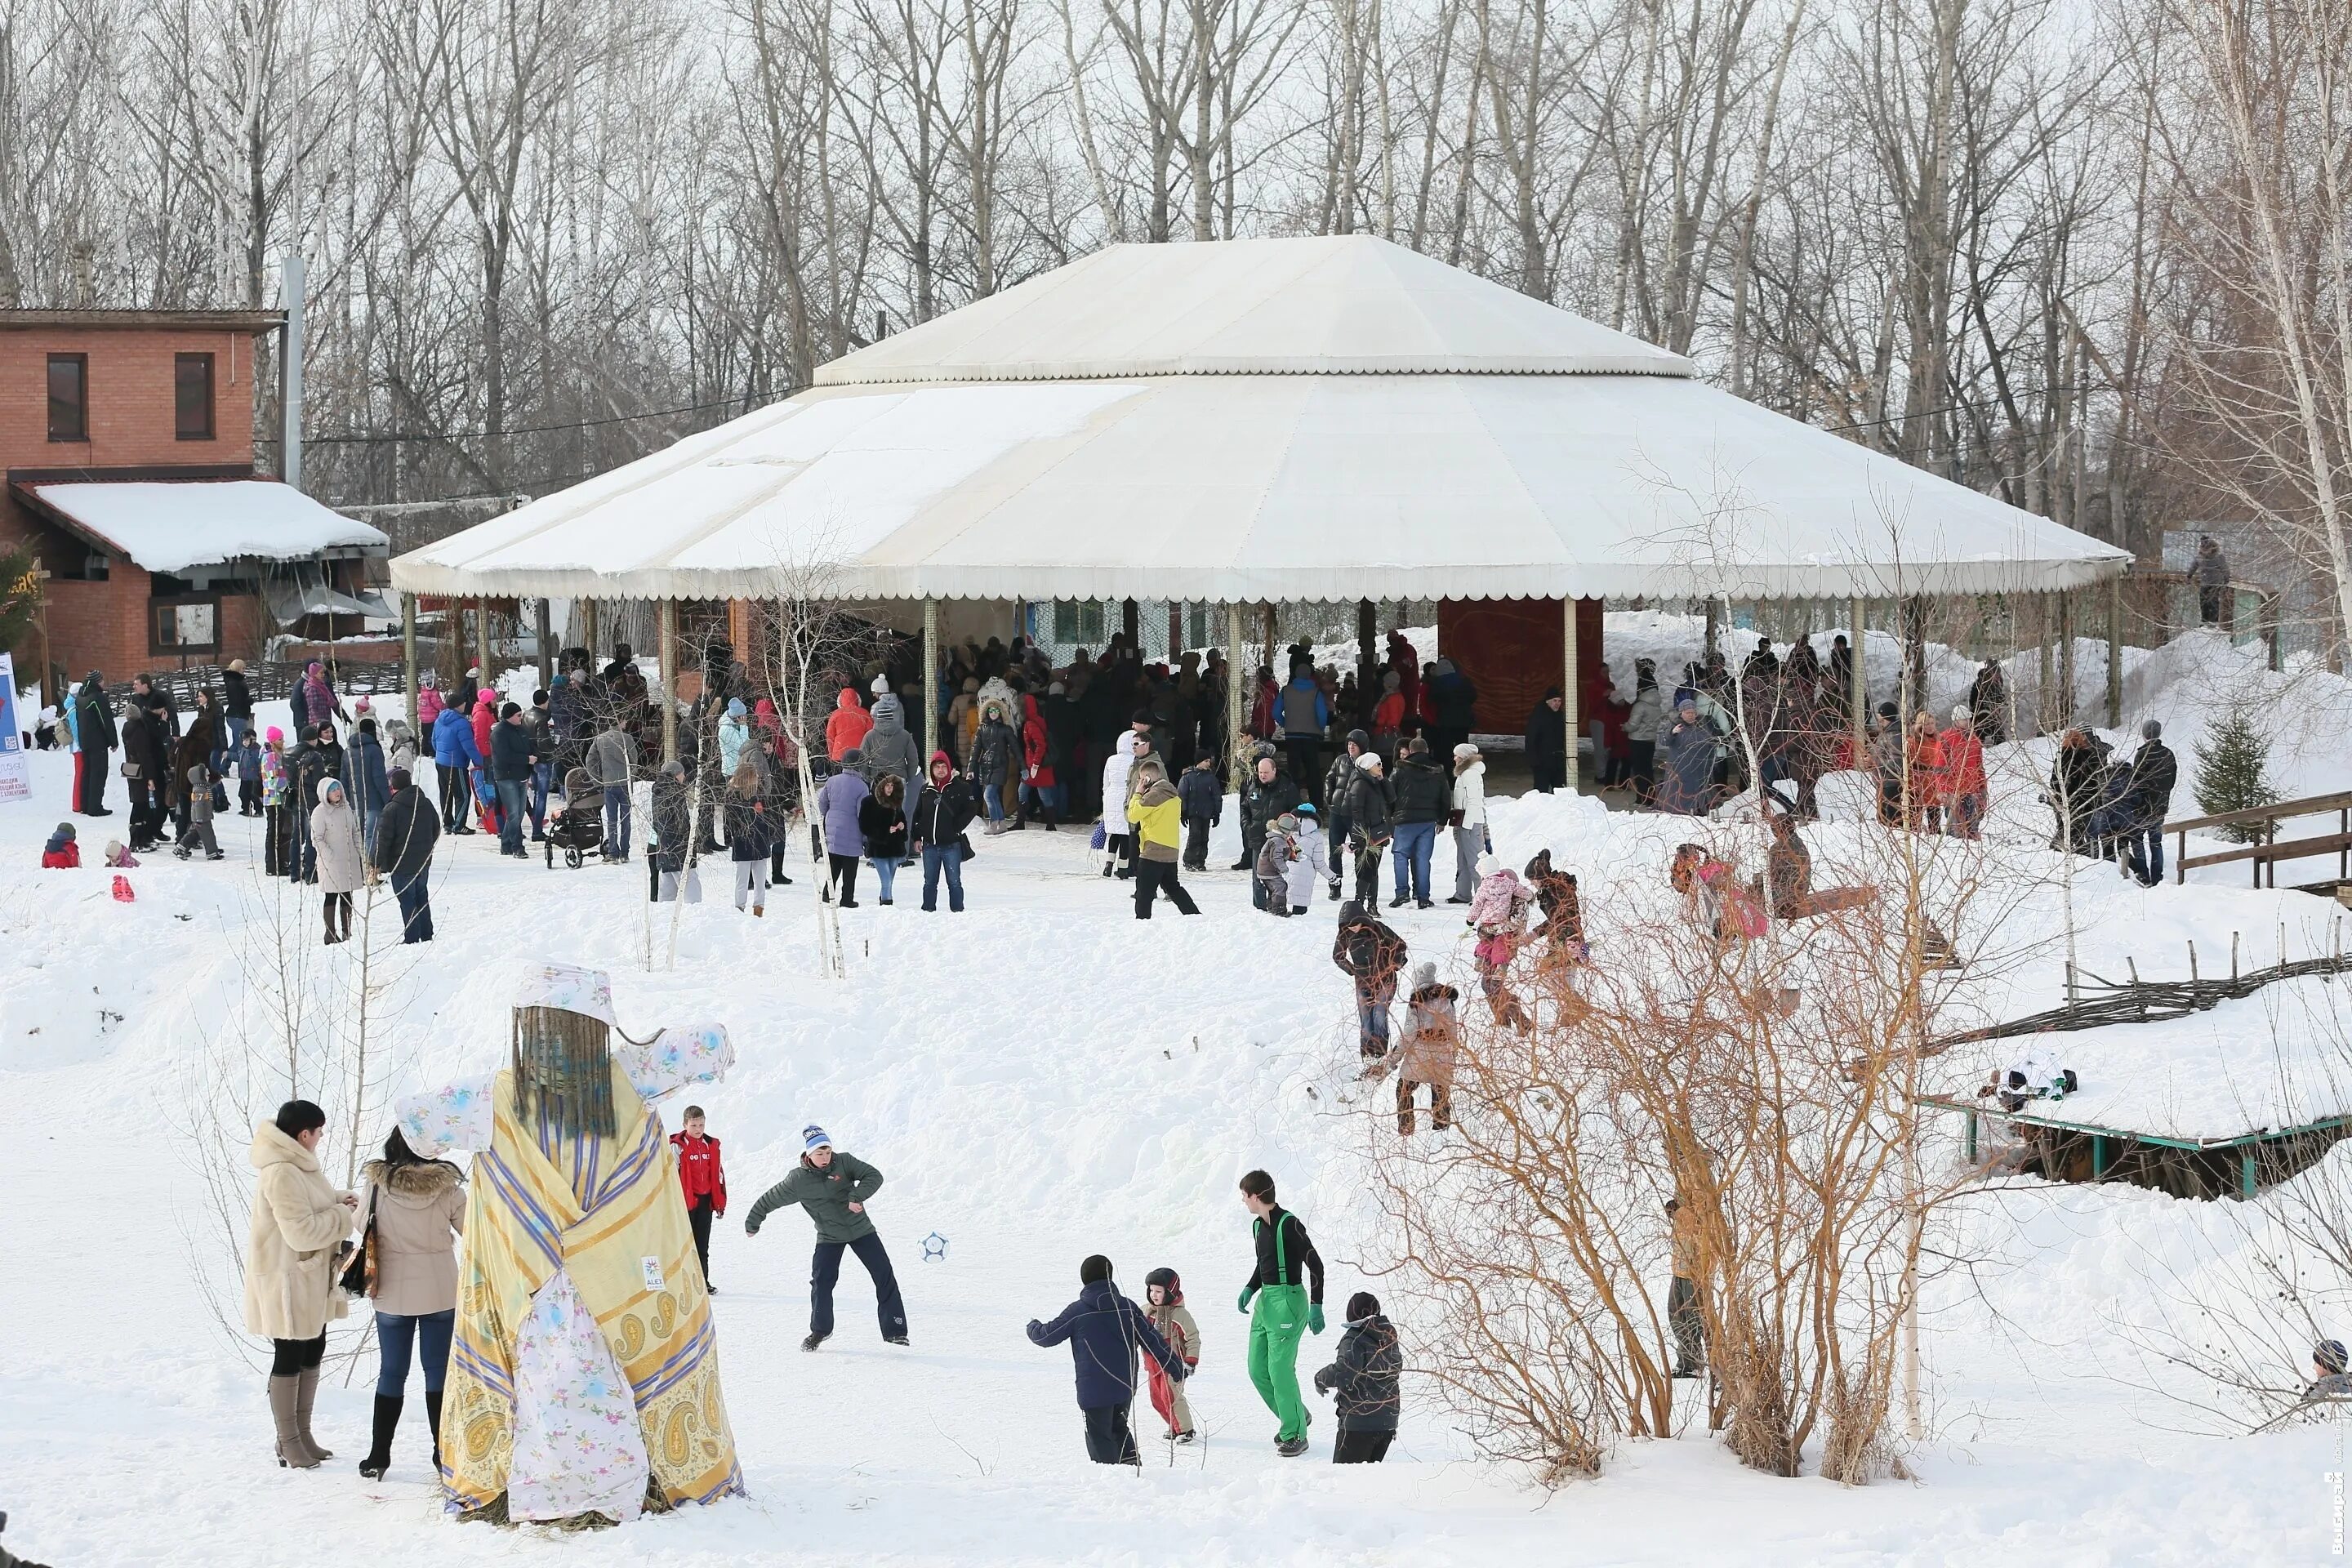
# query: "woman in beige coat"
[419,1209]
[289,1267]
[335,832]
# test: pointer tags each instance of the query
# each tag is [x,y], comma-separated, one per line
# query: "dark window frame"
[180,429]
[158,648]
[80,362]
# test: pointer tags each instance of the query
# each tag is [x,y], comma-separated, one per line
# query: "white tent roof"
[1329,419]
[1340,305]
[169,525]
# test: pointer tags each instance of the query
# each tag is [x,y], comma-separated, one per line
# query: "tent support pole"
[1714,626]
[1280,676]
[931,682]
[1568,705]
[1236,690]
[482,639]
[408,653]
[588,630]
[667,619]
[2115,652]
[2042,708]
[546,659]
[1368,629]
[1858,700]
[2066,657]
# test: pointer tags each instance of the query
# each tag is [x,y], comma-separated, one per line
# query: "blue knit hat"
[735,708]
[813,1137]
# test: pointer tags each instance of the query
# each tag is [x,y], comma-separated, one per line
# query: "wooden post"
[1858,700]
[2115,652]
[666,620]
[1237,687]
[1175,631]
[482,639]
[1368,659]
[408,657]
[1568,704]
[930,683]
[588,631]
[1714,625]
[1130,623]
[2066,657]
[546,654]
[1280,676]
[2042,703]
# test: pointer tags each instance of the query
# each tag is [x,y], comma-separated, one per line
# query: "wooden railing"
[2268,849]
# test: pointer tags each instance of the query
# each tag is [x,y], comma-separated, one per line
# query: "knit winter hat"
[735,708]
[881,685]
[1370,762]
[1488,864]
[275,735]
[1094,1268]
[1464,751]
[2329,1353]
[1363,1304]
[813,1138]
[1424,973]
[2149,731]
[1961,714]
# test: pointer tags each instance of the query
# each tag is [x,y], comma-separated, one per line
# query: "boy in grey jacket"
[833,1188]
[200,814]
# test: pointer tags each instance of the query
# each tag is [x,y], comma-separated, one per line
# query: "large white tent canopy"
[1282,419]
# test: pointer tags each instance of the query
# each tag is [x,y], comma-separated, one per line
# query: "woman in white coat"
[289,1267]
[1469,820]
[335,834]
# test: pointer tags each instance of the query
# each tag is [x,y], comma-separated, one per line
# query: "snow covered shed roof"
[169,525]
[1324,420]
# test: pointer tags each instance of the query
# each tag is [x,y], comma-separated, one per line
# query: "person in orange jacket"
[846,729]
[1965,788]
[704,1177]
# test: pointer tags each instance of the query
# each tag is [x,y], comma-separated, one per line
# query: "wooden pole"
[1568,690]
[2043,706]
[546,654]
[666,622]
[482,639]
[408,657]
[1132,627]
[930,683]
[1368,659]
[1237,691]
[1858,698]
[2066,657]
[1280,676]
[588,630]
[2115,652]
[1714,626]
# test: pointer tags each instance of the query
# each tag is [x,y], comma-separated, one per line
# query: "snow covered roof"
[1336,305]
[169,525]
[1324,420]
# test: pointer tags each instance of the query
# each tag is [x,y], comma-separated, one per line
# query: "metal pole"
[1237,691]
[2115,652]
[667,619]
[1568,704]
[408,657]
[1858,698]
[290,391]
[930,683]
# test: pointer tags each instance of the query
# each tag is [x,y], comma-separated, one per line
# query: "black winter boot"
[387,1421]
[432,1413]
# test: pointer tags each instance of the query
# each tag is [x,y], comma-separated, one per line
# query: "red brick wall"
[130,400]
[100,625]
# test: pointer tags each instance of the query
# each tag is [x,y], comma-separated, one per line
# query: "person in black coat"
[1268,794]
[2147,794]
[1364,1381]
[1454,705]
[945,810]
[1104,1329]
[145,763]
[94,726]
[1368,807]
[882,823]
[1547,741]
[406,830]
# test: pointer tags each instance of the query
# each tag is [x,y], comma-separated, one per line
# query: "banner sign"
[15,768]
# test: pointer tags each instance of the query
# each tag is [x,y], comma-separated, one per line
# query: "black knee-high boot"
[432,1413]
[387,1421]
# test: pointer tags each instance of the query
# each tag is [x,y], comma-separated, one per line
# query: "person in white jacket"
[1469,820]
[1314,859]
[1117,839]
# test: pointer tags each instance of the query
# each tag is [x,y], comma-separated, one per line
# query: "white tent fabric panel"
[1330,305]
[1234,487]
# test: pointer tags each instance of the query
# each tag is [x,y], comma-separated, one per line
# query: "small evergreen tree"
[2229,770]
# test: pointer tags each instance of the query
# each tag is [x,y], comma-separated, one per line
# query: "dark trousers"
[1354,1448]
[825,1269]
[844,880]
[415,906]
[2144,853]
[1551,773]
[1689,1328]
[1303,752]
[2209,605]
[1441,1106]
[1641,766]
[146,814]
[249,798]
[1196,845]
[288,1357]
[450,779]
[1109,1440]
[698,1215]
[1159,875]
[1368,872]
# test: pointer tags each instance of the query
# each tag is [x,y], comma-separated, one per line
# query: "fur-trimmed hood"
[421,1182]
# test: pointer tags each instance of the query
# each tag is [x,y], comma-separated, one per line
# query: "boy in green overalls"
[1284,1307]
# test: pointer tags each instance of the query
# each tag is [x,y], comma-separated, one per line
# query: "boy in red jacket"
[705,1181]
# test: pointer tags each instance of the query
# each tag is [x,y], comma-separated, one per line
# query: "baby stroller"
[578,829]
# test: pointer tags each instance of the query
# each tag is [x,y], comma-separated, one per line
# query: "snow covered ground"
[1039,1077]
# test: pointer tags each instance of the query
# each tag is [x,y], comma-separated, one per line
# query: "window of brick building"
[68,398]
[185,625]
[192,397]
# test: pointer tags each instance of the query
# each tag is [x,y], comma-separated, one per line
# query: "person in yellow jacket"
[1158,817]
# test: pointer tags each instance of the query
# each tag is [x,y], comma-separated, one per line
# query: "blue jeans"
[510,809]
[947,858]
[2144,853]
[394,1334]
[542,777]
[1408,853]
[886,871]
[992,795]
[617,821]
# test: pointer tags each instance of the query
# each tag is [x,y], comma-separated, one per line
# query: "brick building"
[126,438]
